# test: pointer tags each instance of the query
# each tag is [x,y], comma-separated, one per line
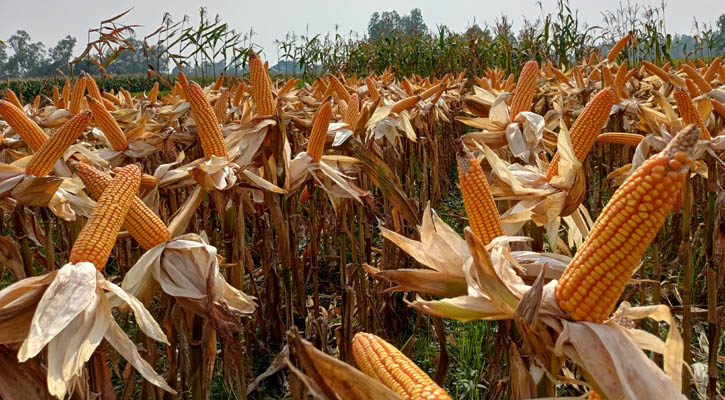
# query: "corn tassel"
[383,362]
[97,238]
[596,276]
[105,121]
[43,160]
[261,88]
[586,128]
[620,138]
[318,135]
[477,198]
[404,104]
[143,224]
[689,112]
[207,126]
[76,99]
[614,52]
[697,78]
[26,128]
[525,89]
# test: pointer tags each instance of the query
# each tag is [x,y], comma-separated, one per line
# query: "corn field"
[294,238]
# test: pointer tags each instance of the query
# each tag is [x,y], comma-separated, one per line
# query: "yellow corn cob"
[289,85]
[318,135]
[207,126]
[383,362]
[127,98]
[407,87]
[525,89]
[484,83]
[586,128]
[339,89]
[175,90]
[689,112]
[56,96]
[432,91]
[261,88]
[76,99]
[353,108]
[342,108]
[372,90]
[36,102]
[596,276]
[66,91]
[721,73]
[219,82]
[108,104]
[220,107]
[477,199]
[92,87]
[695,76]
[239,96]
[404,104]
[578,77]
[110,97]
[655,70]
[592,59]
[13,98]
[143,224]
[105,122]
[148,181]
[620,78]
[620,138]
[607,76]
[509,83]
[700,63]
[712,70]
[438,94]
[667,67]
[692,88]
[614,52]
[560,76]
[718,107]
[98,236]
[26,128]
[594,75]
[43,160]
[153,93]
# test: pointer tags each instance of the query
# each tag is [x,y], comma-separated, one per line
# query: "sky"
[50,20]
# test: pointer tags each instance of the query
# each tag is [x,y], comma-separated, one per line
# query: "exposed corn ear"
[56,96]
[97,238]
[207,126]
[76,99]
[509,83]
[709,75]
[431,91]
[404,104]
[618,47]
[127,98]
[105,122]
[318,135]
[219,82]
[653,69]
[620,78]
[239,95]
[478,201]
[689,112]
[43,160]
[92,87]
[383,362]
[692,88]
[112,98]
[407,87]
[66,91]
[353,108]
[109,104]
[13,98]
[148,181]
[631,139]
[561,77]
[143,224]
[183,82]
[525,89]
[36,102]
[718,107]
[220,107]
[586,128]
[695,76]
[261,87]
[596,276]
[339,89]
[372,89]
[153,93]
[26,128]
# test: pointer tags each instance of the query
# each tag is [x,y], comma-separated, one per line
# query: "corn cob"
[372,90]
[92,87]
[695,76]
[607,76]
[592,59]
[108,104]
[148,181]
[13,98]
[430,91]
[620,138]
[210,135]
[614,52]
[66,91]
[709,75]
[383,362]
[26,128]
[127,98]
[594,75]
[718,107]
[36,102]
[320,123]
[404,104]
[525,89]
[407,87]
[655,70]
[692,88]
[112,98]
[579,78]
[56,96]
[339,89]
[586,128]
[509,83]
[143,224]
[620,78]
[689,112]
[220,107]
[76,99]
[667,67]
[596,276]
[43,160]
[105,121]
[353,108]
[97,238]
[700,63]
[261,88]
[219,82]
[484,83]
[153,93]
[477,199]
[239,95]
[561,77]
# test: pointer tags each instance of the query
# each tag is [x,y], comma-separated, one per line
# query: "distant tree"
[390,22]
[26,55]
[58,58]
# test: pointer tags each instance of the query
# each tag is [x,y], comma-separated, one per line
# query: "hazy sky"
[48,21]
